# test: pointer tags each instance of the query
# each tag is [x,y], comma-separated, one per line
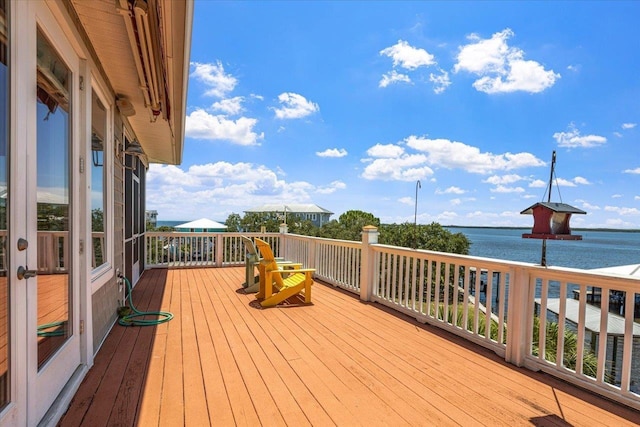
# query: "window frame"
[104,272]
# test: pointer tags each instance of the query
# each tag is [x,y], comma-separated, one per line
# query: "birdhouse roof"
[554,206]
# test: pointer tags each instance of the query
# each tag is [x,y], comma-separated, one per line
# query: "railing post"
[283,241]
[519,316]
[219,246]
[369,237]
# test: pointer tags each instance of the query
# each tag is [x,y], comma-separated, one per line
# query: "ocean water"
[171,223]
[597,249]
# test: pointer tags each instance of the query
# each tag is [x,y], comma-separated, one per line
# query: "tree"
[349,225]
[234,223]
[433,237]
[254,221]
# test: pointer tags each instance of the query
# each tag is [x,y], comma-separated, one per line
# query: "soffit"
[104,25]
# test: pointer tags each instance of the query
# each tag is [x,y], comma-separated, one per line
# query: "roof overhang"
[142,48]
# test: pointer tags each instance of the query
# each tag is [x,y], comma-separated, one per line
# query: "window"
[98,181]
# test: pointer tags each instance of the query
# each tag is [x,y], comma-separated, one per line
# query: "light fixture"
[134,149]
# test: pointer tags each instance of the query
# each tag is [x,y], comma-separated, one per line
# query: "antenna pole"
[543,258]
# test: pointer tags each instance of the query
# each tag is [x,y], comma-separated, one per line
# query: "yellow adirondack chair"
[252,260]
[296,281]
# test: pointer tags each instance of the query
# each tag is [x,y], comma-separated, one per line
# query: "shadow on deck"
[225,361]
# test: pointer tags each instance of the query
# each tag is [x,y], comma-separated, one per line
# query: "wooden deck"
[225,361]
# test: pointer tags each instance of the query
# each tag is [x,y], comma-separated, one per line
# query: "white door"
[53,346]
[39,280]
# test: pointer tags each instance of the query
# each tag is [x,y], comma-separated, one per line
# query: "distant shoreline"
[614,230]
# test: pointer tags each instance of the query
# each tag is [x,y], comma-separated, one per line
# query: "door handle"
[25,273]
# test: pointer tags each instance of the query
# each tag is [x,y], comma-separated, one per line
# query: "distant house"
[152,218]
[314,213]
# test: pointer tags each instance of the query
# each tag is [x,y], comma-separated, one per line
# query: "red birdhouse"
[551,221]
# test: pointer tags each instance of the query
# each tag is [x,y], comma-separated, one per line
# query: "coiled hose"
[133,319]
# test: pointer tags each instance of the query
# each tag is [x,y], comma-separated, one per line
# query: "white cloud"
[451,190]
[636,198]
[202,125]
[387,150]
[407,56]
[217,189]
[455,202]
[406,200]
[213,75]
[332,152]
[441,82]
[618,134]
[616,196]
[502,68]
[581,181]
[538,183]
[572,139]
[588,206]
[635,171]
[629,125]
[393,77]
[404,168]
[295,106]
[332,188]
[561,182]
[574,68]
[622,210]
[504,179]
[505,189]
[456,155]
[230,106]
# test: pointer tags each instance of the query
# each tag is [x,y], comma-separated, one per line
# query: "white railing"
[554,319]
[185,250]
[336,261]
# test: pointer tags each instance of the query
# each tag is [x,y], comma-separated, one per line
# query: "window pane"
[53,197]
[98,180]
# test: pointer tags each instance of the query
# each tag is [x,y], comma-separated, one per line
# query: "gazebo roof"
[202,223]
[554,206]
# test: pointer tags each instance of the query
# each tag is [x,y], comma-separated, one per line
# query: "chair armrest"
[297,270]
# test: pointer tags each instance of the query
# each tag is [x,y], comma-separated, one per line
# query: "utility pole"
[415,218]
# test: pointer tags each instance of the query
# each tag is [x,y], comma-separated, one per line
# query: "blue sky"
[348,104]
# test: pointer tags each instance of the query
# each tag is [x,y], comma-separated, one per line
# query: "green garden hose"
[131,319]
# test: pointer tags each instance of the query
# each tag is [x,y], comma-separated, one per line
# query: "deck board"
[223,360]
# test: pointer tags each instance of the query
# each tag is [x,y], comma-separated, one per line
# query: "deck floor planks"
[381,374]
[280,379]
[341,358]
[149,410]
[539,397]
[401,362]
[109,389]
[472,375]
[172,399]
[99,372]
[217,401]
[195,405]
[286,402]
[244,412]
[263,402]
[357,381]
[126,404]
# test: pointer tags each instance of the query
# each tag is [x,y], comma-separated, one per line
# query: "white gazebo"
[201,225]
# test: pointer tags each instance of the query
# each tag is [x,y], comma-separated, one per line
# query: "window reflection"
[98,180]
[53,197]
